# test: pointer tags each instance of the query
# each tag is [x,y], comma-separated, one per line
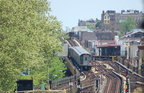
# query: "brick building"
[88,22]
[111,19]
[84,23]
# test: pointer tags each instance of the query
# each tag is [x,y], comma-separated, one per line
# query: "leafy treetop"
[29,35]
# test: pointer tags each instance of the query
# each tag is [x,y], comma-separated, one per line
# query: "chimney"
[103,12]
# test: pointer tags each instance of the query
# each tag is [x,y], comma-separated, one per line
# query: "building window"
[105,17]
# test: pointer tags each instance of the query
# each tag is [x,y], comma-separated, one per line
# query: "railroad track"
[123,71]
[114,82]
[89,81]
[72,42]
[132,76]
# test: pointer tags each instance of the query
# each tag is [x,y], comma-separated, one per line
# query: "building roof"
[108,45]
[72,31]
[111,11]
[80,28]
[131,39]
[107,41]
[134,33]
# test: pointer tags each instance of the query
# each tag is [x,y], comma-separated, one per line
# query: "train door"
[85,59]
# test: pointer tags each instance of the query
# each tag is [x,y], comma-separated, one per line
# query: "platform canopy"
[109,50]
[141,47]
[108,45]
[72,31]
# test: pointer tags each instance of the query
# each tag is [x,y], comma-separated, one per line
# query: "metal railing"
[63,81]
[42,91]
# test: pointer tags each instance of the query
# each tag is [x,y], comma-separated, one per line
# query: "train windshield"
[85,58]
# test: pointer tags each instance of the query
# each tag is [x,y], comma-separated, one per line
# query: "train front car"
[86,61]
[81,57]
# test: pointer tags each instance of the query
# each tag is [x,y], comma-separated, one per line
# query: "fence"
[64,82]
[42,91]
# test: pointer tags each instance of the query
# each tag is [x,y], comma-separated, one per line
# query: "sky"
[70,11]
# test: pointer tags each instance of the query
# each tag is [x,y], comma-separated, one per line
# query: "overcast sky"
[69,11]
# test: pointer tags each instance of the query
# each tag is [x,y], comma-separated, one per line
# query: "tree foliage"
[127,25]
[98,23]
[90,26]
[28,37]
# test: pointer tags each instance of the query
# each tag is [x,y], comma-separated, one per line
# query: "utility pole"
[75,76]
[70,84]
[127,83]
[78,86]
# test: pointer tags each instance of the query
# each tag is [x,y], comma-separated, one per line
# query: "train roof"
[80,50]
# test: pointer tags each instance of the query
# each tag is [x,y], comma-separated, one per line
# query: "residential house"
[111,19]
[87,22]
[129,46]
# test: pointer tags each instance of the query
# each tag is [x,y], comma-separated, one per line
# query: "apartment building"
[111,19]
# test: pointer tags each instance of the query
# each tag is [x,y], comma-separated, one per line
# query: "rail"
[42,91]
[63,82]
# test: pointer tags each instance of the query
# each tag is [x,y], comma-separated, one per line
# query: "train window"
[81,58]
[85,58]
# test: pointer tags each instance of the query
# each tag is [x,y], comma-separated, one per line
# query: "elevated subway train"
[81,57]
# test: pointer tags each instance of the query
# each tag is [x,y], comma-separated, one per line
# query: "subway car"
[81,57]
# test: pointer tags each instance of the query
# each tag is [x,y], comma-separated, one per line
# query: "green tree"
[28,37]
[127,25]
[98,23]
[90,26]
[54,70]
